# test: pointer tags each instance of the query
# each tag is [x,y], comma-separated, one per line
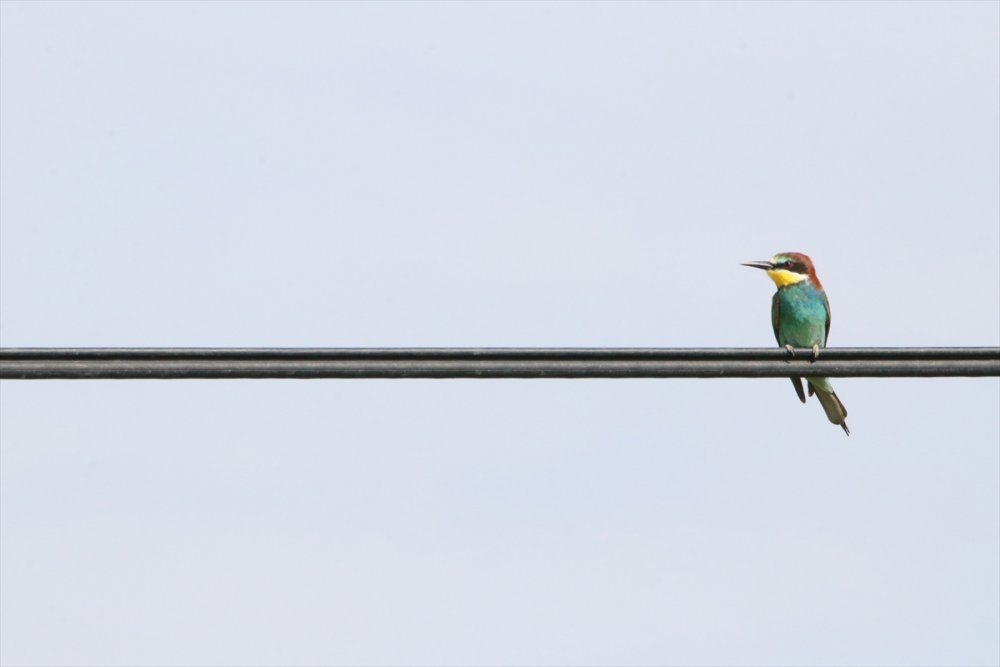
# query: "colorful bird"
[800,315]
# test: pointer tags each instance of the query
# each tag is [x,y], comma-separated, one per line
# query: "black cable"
[233,363]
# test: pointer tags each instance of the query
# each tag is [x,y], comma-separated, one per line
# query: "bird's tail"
[834,409]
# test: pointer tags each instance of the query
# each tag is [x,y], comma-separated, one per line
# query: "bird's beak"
[759,265]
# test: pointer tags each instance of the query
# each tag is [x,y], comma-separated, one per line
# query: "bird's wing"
[797,383]
[826,335]
[826,302]
[776,316]
[775,321]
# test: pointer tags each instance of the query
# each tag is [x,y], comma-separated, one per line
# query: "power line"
[385,363]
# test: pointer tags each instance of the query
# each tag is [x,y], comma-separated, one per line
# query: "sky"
[496,174]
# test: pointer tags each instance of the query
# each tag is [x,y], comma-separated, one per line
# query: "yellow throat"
[784,277]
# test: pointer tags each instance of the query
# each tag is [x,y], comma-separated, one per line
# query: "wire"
[306,363]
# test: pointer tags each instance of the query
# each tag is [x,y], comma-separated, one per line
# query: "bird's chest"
[803,316]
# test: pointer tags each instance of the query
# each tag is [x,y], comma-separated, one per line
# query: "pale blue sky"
[544,174]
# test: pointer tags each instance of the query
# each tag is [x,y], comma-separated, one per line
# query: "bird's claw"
[791,352]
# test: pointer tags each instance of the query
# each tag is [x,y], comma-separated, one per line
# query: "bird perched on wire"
[800,315]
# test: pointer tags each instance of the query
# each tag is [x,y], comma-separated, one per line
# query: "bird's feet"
[791,352]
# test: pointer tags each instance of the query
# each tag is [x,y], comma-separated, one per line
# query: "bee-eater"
[800,315]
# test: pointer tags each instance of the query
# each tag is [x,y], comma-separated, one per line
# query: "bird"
[800,315]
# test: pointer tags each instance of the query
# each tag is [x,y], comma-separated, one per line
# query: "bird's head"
[788,268]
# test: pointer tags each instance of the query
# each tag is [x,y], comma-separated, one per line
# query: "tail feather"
[834,409]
